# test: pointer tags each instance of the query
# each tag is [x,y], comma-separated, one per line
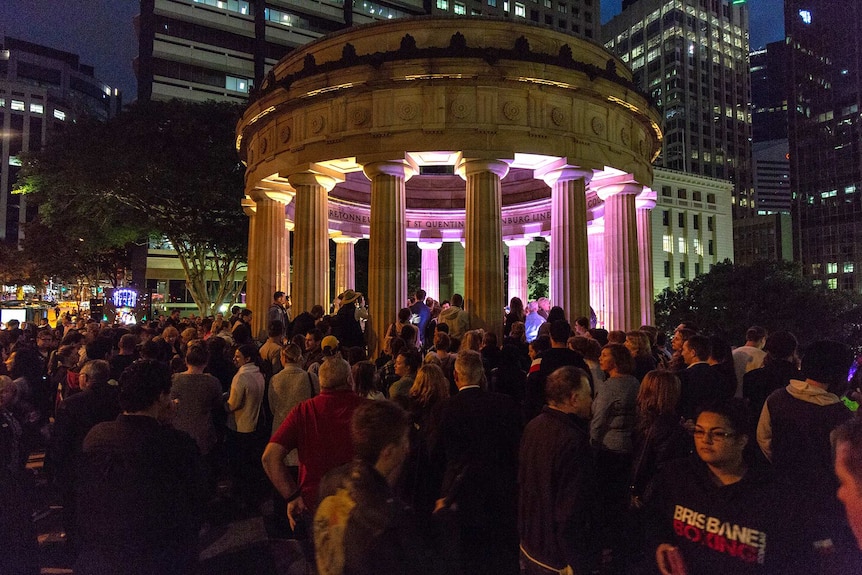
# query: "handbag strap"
[637,466]
[310,385]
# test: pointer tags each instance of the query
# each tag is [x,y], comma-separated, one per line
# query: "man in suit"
[699,384]
[477,441]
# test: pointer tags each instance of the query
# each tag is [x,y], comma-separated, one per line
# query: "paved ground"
[232,542]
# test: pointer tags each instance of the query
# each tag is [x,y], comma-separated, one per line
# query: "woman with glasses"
[716,513]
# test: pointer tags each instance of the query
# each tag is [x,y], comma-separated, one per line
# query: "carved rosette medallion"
[511,111]
[558,117]
[284,134]
[460,108]
[625,136]
[598,126]
[317,124]
[407,110]
[359,116]
[264,144]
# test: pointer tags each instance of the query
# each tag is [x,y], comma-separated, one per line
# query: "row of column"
[575,282]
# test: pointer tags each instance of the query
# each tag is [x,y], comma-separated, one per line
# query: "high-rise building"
[41,90]
[769,91]
[691,56]
[825,132]
[221,49]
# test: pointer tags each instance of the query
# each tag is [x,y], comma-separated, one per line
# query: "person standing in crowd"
[270,351]
[848,472]
[715,513]
[423,314]
[546,363]
[533,321]
[637,342]
[279,310]
[140,485]
[319,429]
[242,442]
[557,482]
[477,440]
[125,357]
[455,317]
[406,364]
[699,385]
[345,326]
[241,331]
[516,314]
[749,356]
[779,368]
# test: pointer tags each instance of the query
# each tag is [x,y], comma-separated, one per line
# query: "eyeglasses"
[713,435]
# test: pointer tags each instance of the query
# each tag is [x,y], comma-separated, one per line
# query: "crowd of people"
[563,448]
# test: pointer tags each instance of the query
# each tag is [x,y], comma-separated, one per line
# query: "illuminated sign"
[125,298]
[806,16]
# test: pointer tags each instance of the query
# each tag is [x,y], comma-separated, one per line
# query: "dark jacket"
[757,384]
[558,492]
[700,385]
[546,363]
[664,441]
[140,492]
[346,328]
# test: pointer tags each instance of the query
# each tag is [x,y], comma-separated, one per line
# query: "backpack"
[330,524]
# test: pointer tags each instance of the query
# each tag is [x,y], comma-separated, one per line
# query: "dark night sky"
[102,34]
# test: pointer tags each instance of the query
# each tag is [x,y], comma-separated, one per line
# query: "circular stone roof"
[435,91]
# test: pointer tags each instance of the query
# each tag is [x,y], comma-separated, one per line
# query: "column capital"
[429,243]
[631,188]
[397,168]
[259,194]
[249,207]
[646,200]
[312,179]
[565,174]
[518,242]
[344,240]
[470,166]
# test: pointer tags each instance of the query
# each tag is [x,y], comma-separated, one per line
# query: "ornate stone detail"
[251,156]
[558,117]
[407,110]
[597,125]
[512,111]
[284,134]
[460,108]
[359,116]
[641,147]
[317,124]
[264,144]
[625,136]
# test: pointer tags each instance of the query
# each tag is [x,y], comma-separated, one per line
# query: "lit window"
[848,267]
[17,105]
[805,15]
[667,243]
[443,4]
[37,109]
[460,8]
[520,10]
[60,115]
[237,84]
[698,249]
[850,189]
[832,268]
[2,102]
[832,283]
[681,245]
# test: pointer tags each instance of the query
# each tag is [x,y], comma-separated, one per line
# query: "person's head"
[404,315]
[615,358]
[175,314]
[679,338]
[533,306]
[489,340]
[420,295]
[560,331]
[556,314]
[544,304]
[95,373]
[363,373]
[755,336]
[586,346]
[441,341]
[170,334]
[568,389]
[317,311]
[658,395]
[291,353]
[396,344]
[45,340]
[686,325]
[444,327]
[25,362]
[848,469]
[721,433]
[781,345]
[538,345]
[518,332]
[245,315]
[457,300]
[599,334]
[719,350]
[313,339]
[245,354]
[329,345]
[617,336]
[278,297]
[379,431]
[189,334]
[582,326]
[469,369]
[471,340]
[827,362]
[275,329]
[651,332]
[407,362]
[409,334]
[637,343]
[334,373]
[516,306]
[128,343]
[430,385]
[99,348]
[197,354]
[144,385]
[696,348]
[8,392]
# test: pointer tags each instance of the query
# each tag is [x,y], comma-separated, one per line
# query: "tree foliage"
[158,169]
[538,281]
[731,298]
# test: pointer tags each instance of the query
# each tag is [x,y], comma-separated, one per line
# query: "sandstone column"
[387,248]
[622,272]
[644,203]
[249,208]
[569,265]
[430,281]
[518,269]
[596,241]
[266,270]
[345,263]
[311,241]
[484,297]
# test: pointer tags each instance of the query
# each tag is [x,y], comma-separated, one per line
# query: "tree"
[731,298]
[159,170]
[538,276]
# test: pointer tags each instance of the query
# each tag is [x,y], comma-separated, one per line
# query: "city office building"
[41,90]
[691,56]
[692,227]
[825,132]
